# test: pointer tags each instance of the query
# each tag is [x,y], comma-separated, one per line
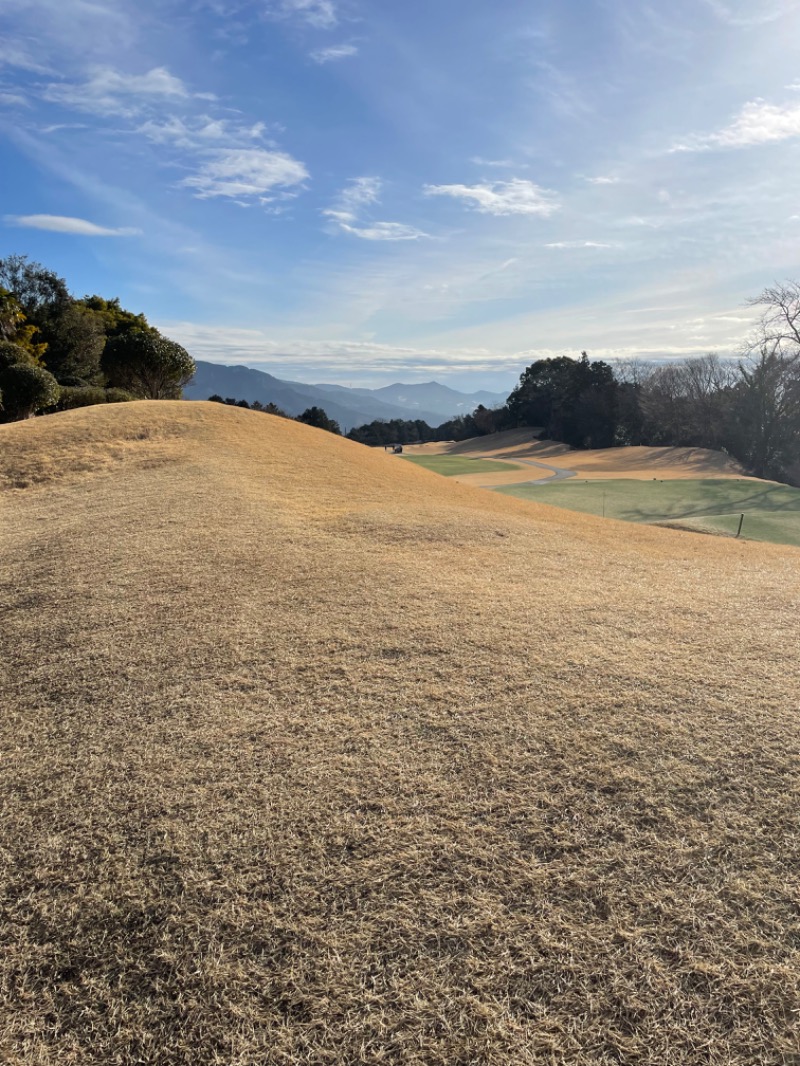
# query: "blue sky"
[366,190]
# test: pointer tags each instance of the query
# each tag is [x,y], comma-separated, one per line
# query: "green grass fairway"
[450,465]
[772,512]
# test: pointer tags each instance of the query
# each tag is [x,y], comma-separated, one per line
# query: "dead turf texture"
[637,463]
[367,767]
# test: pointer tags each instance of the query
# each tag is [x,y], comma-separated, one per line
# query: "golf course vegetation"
[691,488]
[451,465]
[312,756]
[771,512]
[58,352]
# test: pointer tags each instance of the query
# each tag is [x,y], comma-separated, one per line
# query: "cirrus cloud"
[321,14]
[222,154]
[79,227]
[384,231]
[13,100]
[335,52]
[110,92]
[349,206]
[740,13]
[248,172]
[515,197]
[201,133]
[572,245]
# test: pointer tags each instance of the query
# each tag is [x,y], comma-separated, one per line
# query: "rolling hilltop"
[313,756]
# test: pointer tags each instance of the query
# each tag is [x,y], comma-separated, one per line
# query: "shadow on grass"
[654,501]
[719,498]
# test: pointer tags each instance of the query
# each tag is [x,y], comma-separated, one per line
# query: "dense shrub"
[25,390]
[147,364]
[74,383]
[12,354]
[88,396]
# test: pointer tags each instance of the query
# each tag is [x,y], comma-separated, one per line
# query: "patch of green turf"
[772,512]
[450,465]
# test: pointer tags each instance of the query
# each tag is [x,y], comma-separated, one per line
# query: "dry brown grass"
[310,756]
[640,463]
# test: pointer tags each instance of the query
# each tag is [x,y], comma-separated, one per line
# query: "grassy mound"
[311,756]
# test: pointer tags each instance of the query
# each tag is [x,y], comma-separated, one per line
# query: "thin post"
[741,521]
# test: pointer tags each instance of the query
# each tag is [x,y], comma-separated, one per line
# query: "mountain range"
[430,401]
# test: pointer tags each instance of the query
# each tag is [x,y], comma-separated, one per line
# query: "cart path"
[557,472]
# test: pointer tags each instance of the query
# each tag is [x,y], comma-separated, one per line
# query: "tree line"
[312,416]
[59,352]
[382,432]
[747,407]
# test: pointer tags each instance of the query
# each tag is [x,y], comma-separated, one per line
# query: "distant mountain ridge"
[429,396]
[431,402]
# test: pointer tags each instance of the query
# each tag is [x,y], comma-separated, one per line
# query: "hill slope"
[440,397]
[433,403]
[635,462]
[311,756]
[244,383]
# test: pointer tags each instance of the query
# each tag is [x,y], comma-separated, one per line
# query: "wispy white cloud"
[740,12]
[13,100]
[501,269]
[246,173]
[202,132]
[46,36]
[56,127]
[78,227]
[15,53]
[515,197]
[110,92]
[348,209]
[262,349]
[259,348]
[73,12]
[219,151]
[565,93]
[489,266]
[384,231]
[321,14]
[335,52]
[51,25]
[359,193]
[757,123]
[571,245]
[506,164]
